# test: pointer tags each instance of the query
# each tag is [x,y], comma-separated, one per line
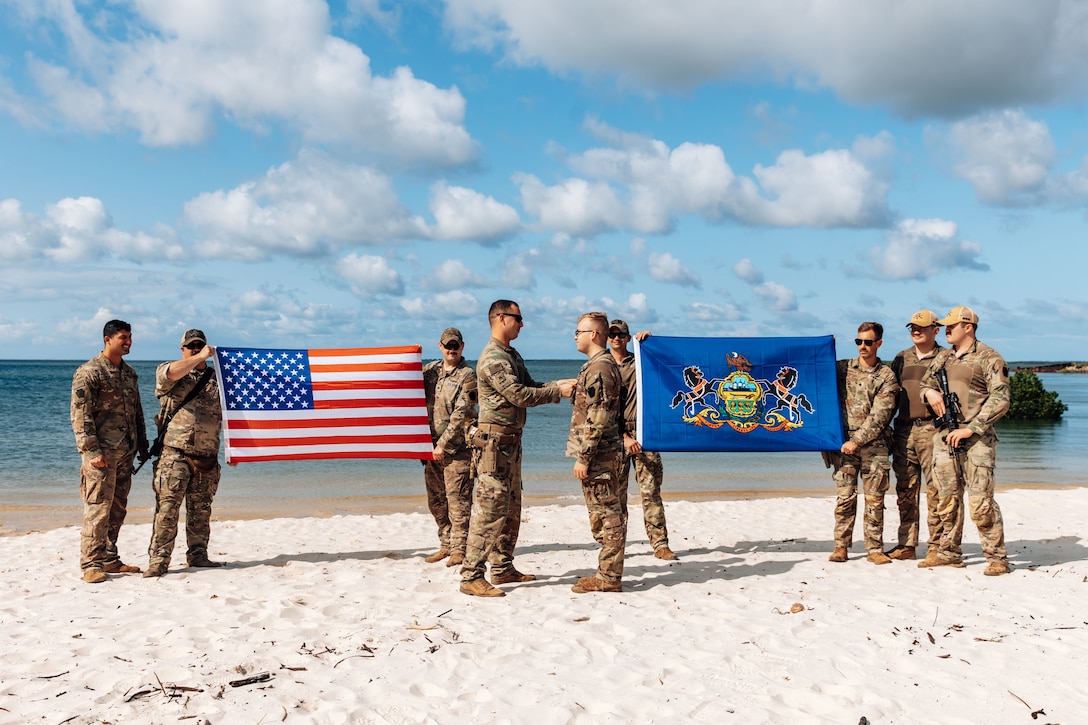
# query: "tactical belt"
[503,435]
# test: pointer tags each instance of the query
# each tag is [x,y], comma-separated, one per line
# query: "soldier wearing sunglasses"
[912,450]
[649,470]
[505,390]
[188,469]
[450,386]
[868,393]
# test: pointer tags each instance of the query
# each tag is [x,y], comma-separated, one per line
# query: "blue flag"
[738,394]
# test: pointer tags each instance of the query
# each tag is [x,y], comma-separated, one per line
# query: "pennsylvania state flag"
[738,394]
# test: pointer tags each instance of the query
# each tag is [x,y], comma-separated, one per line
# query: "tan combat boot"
[903,553]
[457,558]
[934,559]
[480,588]
[665,553]
[117,567]
[595,584]
[997,567]
[839,554]
[155,568]
[878,557]
[512,576]
[94,576]
[438,555]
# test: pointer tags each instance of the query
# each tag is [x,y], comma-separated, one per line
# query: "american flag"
[281,405]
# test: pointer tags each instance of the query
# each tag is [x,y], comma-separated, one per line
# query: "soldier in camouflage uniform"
[597,448]
[649,469]
[868,393]
[912,451]
[979,377]
[450,385]
[188,469]
[505,390]
[108,422]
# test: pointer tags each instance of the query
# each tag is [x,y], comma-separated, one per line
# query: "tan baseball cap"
[193,335]
[924,318]
[619,325]
[959,314]
[451,333]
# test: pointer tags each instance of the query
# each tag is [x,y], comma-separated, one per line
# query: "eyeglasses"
[195,346]
[864,343]
[579,332]
[517,318]
[617,335]
[920,328]
[452,345]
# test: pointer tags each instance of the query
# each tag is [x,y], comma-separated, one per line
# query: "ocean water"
[39,465]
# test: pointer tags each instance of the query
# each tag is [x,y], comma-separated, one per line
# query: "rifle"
[950,421]
[156,448]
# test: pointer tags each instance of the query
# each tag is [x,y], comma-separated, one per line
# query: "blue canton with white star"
[273,380]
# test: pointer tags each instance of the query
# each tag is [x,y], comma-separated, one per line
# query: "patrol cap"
[959,314]
[193,336]
[451,333]
[923,318]
[619,325]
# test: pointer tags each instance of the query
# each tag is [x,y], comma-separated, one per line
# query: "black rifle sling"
[156,447]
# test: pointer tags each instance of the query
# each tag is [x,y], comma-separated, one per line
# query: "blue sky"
[292,173]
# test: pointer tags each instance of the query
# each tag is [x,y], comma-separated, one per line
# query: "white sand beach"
[345,623]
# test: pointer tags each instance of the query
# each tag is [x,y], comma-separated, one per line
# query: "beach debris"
[259,677]
[50,677]
[932,640]
[418,626]
[794,609]
[1034,713]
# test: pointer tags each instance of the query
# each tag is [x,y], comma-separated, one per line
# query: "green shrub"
[1031,401]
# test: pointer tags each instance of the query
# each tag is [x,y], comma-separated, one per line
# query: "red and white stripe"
[368,403]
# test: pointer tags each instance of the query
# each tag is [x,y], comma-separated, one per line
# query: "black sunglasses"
[617,334]
[195,346]
[452,345]
[867,343]
[517,318]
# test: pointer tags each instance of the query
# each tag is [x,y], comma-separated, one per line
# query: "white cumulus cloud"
[665,267]
[921,248]
[76,229]
[921,57]
[304,207]
[370,275]
[468,215]
[1005,156]
[168,70]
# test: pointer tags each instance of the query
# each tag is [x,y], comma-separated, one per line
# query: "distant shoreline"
[16,520]
[1062,367]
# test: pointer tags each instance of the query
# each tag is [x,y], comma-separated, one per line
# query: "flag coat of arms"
[738,394]
[283,405]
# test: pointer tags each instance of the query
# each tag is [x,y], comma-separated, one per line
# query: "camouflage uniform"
[189,467]
[649,469]
[867,401]
[108,420]
[451,406]
[505,390]
[912,452]
[980,378]
[596,441]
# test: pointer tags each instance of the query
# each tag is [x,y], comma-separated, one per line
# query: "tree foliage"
[1031,401]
